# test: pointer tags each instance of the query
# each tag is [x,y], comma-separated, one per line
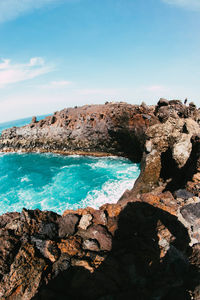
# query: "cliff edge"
[147,245]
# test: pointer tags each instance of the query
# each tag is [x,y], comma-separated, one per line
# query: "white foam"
[98,165]
[25,178]
[110,193]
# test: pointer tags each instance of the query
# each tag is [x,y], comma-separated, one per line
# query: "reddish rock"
[99,217]
[71,246]
[80,211]
[24,278]
[99,233]
[146,246]
[67,225]
[115,128]
[113,210]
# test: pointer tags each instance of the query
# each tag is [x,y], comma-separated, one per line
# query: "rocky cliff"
[113,128]
[147,245]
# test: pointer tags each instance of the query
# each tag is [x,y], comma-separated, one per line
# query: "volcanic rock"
[115,128]
[145,246]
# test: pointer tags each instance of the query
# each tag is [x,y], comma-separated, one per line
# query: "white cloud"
[11,9]
[36,61]
[188,4]
[13,73]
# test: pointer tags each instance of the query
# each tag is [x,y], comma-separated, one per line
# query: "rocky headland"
[147,245]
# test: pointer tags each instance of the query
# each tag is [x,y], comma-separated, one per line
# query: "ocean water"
[57,182]
[18,123]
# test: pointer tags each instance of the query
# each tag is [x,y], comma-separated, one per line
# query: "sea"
[57,182]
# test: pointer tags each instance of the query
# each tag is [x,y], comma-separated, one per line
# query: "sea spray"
[56,182]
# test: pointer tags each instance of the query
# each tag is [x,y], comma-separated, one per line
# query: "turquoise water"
[56,182]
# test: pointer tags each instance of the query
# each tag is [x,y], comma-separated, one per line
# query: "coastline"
[134,248]
[62,152]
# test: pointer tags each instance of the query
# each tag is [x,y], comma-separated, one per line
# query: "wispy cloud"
[11,9]
[188,4]
[13,73]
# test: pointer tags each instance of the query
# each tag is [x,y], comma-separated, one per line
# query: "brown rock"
[47,248]
[91,245]
[82,263]
[71,246]
[113,210]
[25,275]
[67,225]
[99,217]
[99,233]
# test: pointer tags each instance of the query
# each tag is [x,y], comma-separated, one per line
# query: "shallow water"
[56,182]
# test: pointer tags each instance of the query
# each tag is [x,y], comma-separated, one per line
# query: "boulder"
[67,225]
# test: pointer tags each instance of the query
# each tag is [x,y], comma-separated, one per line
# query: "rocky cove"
[147,245]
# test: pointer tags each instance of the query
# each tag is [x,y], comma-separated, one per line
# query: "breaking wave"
[55,182]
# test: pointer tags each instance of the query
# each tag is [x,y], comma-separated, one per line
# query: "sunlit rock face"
[113,128]
[145,246]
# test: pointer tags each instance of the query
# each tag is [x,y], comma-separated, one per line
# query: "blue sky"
[60,53]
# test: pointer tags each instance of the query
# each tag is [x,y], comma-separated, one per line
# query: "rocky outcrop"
[113,128]
[171,156]
[146,246]
[139,249]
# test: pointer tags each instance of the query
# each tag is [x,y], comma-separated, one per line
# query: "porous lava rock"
[146,246]
[113,128]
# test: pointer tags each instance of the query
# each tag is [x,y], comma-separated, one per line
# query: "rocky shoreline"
[110,129]
[147,245]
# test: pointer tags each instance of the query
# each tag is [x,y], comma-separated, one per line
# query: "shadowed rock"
[144,247]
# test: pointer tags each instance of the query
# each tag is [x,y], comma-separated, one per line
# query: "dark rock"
[163,113]
[192,105]
[61,265]
[175,102]
[184,194]
[48,231]
[163,102]
[24,278]
[34,120]
[9,245]
[191,212]
[52,120]
[47,248]
[8,218]
[67,225]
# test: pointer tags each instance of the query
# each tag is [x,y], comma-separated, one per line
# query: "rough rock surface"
[113,128]
[144,247]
